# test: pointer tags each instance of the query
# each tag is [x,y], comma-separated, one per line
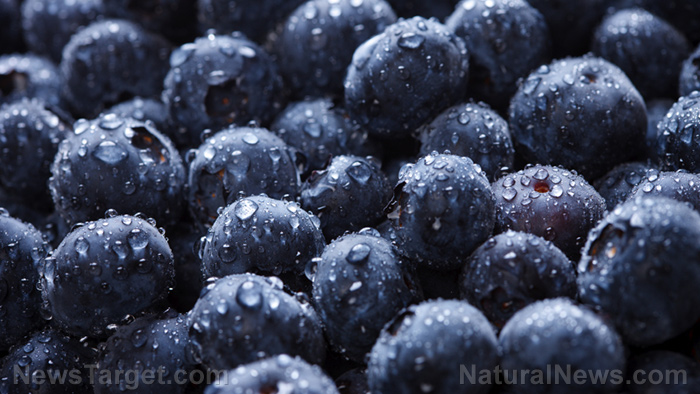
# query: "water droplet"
[355,286]
[111,122]
[109,152]
[245,209]
[247,52]
[531,84]
[137,239]
[138,338]
[464,118]
[129,188]
[509,194]
[227,253]
[411,40]
[249,295]
[360,171]
[81,245]
[239,164]
[209,152]
[250,139]
[181,55]
[358,254]
[312,128]
[556,191]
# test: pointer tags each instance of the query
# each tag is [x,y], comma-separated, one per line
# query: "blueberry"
[254,19]
[647,48]
[513,270]
[29,136]
[557,335]
[638,263]
[112,61]
[264,236]
[117,163]
[617,185]
[220,80]
[349,194]
[580,113]
[11,38]
[684,15]
[663,372]
[689,79]
[353,272]
[443,208]
[676,145]
[152,345]
[244,318]
[424,348]
[49,24]
[174,19]
[550,202]
[315,44]
[496,32]
[41,361]
[320,130]
[237,162]
[103,271]
[280,374]
[353,381]
[29,76]
[22,251]
[473,130]
[679,186]
[147,109]
[405,76]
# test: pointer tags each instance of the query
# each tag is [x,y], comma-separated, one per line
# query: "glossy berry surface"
[29,76]
[676,144]
[680,186]
[690,74]
[617,185]
[103,271]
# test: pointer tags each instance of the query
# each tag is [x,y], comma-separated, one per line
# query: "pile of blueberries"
[349,196]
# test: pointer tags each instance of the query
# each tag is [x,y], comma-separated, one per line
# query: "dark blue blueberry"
[647,48]
[662,372]
[29,76]
[423,349]
[678,135]
[264,236]
[29,136]
[405,76]
[473,130]
[237,162]
[220,80]
[146,109]
[353,381]
[553,203]
[615,187]
[280,374]
[255,19]
[22,250]
[443,208]
[174,19]
[656,112]
[557,335]
[683,14]
[117,163]
[355,271]
[153,345]
[314,46]
[321,130]
[11,38]
[496,32]
[580,113]
[513,270]
[349,194]
[680,186]
[639,267]
[49,24]
[103,271]
[244,318]
[112,61]
[690,74]
[48,362]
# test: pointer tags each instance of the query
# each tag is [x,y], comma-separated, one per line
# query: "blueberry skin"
[684,15]
[473,130]
[617,185]
[638,263]
[254,19]
[680,186]
[218,81]
[443,208]
[665,361]
[110,61]
[265,236]
[29,76]
[349,194]
[513,270]
[174,19]
[103,271]
[117,163]
[29,136]
[496,32]
[656,112]
[22,250]
[689,79]
[148,109]
[423,348]
[353,381]
[405,76]
[580,113]
[557,334]
[43,354]
[354,272]
[677,145]
[647,48]
[152,343]
[320,130]
[238,162]
[48,25]
[275,373]
[240,319]
[553,203]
